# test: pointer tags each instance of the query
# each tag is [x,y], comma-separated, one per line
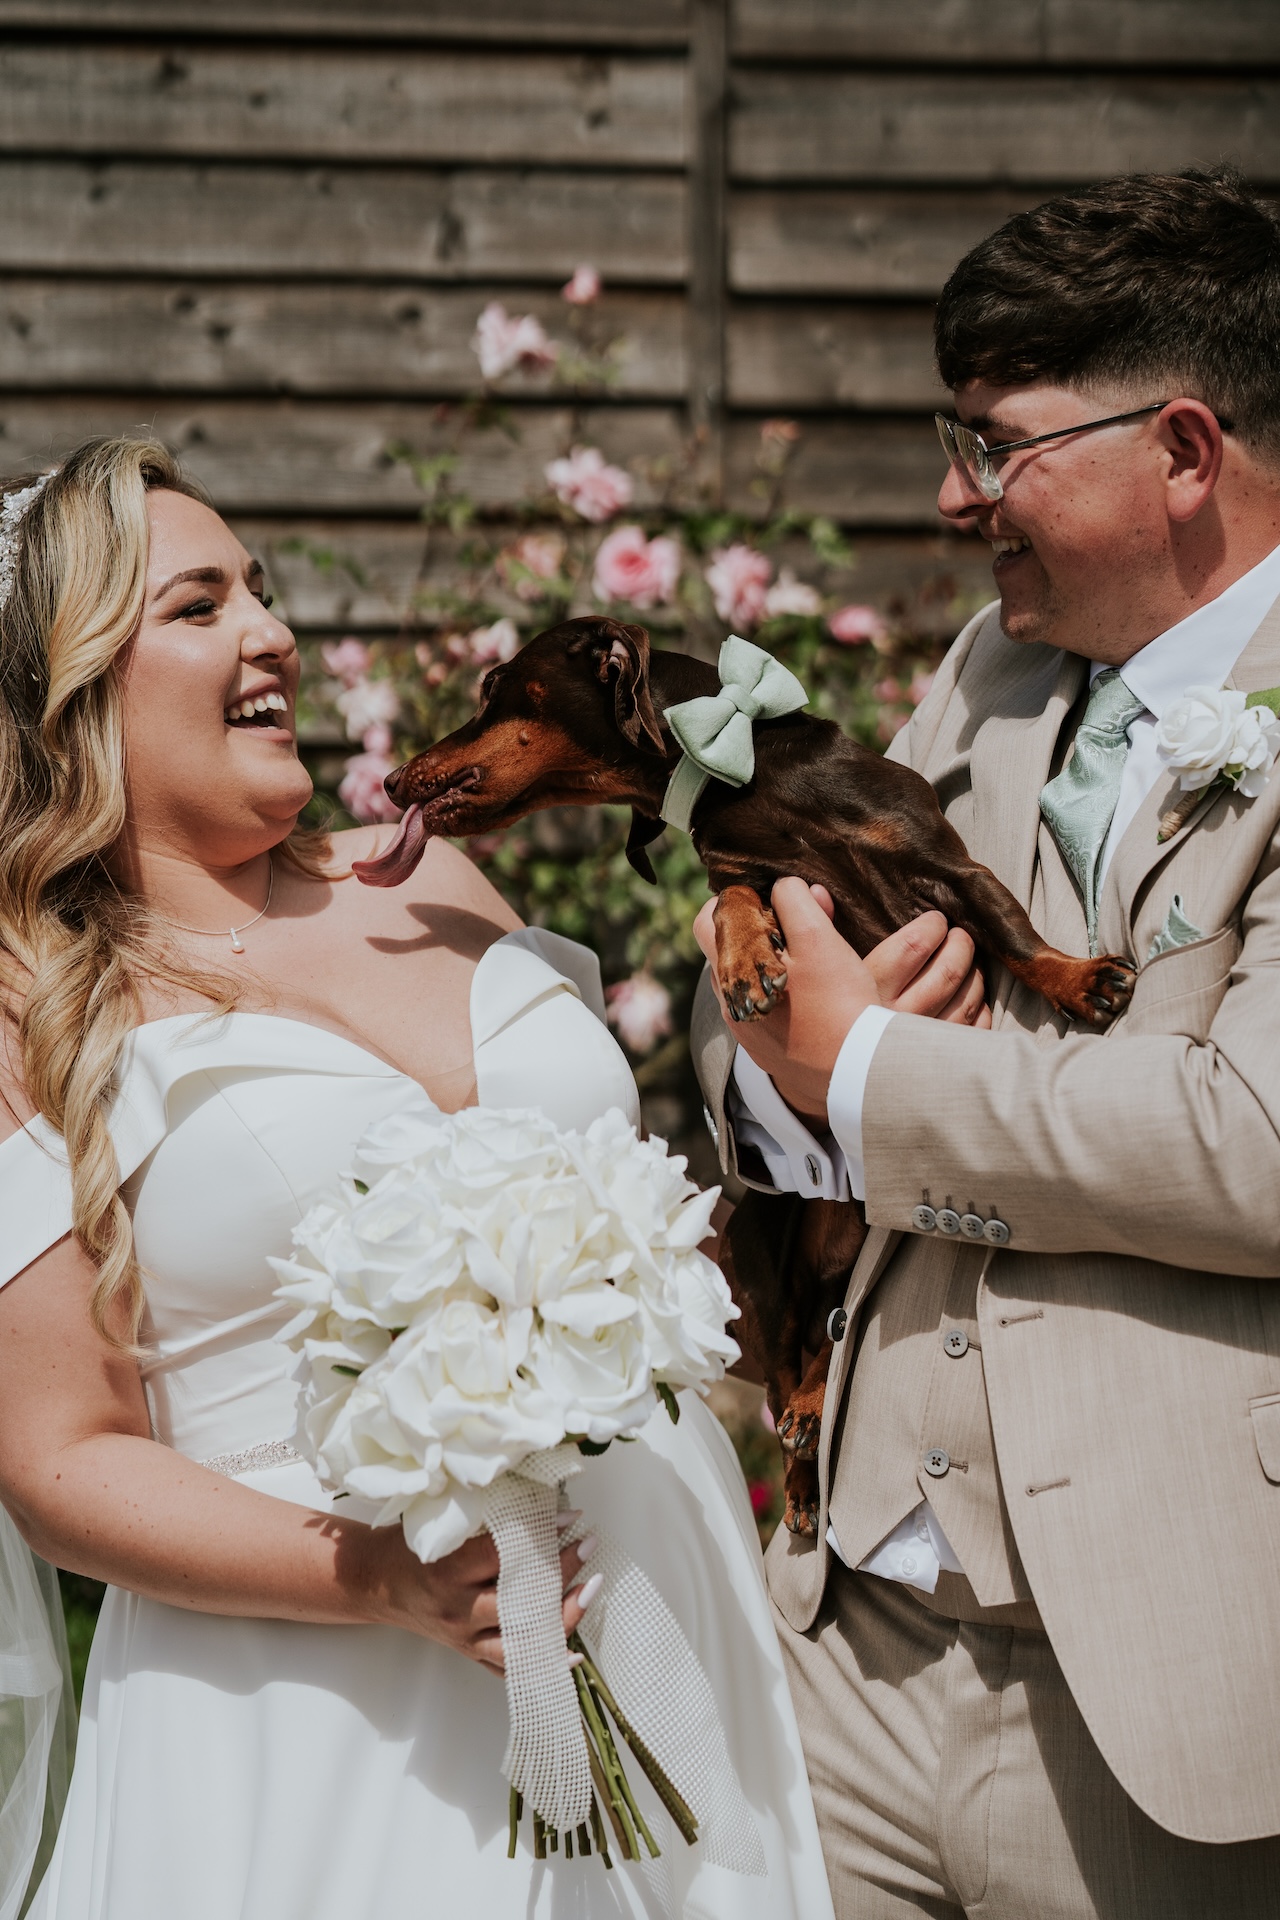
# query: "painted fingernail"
[589,1589]
[587,1546]
[567,1518]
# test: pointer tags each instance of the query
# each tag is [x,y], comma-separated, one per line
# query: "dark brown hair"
[1160,284]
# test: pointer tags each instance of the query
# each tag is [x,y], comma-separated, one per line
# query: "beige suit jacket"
[1131,1329]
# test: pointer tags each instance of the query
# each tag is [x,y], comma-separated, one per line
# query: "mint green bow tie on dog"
[715,730]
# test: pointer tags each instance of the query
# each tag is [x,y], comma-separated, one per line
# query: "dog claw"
[801,1518]
[798,1434]
[745,1000]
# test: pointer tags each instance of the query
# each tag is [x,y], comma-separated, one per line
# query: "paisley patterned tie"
[1079,803]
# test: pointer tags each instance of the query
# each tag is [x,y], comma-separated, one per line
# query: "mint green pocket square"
[1177,930]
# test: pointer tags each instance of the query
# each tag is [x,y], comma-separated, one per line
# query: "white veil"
[37,1717]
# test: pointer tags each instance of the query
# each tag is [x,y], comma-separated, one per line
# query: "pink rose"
[789,595]
[643,572]
[640,1008]
[503,341]
[920,685]
[583,481]
[534,558]
[368,703]
[887,689]
[499,642]
[738,578]
[361,790]
[348,661]
[583,288]
[377,739]
[853,625]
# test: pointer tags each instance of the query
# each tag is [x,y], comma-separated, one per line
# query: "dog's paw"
[752,979]
[798,1434]
[801,1517]
[1099,992]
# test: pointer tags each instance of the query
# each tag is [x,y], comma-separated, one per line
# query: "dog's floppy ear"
[644,828]
[628,658]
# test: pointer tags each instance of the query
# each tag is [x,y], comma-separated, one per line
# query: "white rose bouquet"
[483,1296]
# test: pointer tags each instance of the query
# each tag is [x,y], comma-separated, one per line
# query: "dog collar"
[684,790]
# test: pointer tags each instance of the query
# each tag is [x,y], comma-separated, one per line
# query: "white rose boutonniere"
[1216,738]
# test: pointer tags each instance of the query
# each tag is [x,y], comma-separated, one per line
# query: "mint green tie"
[1080,802]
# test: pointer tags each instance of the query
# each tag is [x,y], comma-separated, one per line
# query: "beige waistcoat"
[1117,1412]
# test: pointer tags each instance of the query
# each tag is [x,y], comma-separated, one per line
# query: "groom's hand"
[925,968]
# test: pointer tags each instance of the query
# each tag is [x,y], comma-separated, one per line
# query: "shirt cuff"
[797,1160]
[848,1090]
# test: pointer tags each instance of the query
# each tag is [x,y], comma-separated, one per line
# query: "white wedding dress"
[232,1769]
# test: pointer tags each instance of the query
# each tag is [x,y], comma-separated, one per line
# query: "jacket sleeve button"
[972,1225]
[924,1219]
[996,1233]
[948,1220]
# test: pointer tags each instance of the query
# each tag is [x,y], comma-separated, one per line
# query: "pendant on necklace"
[237,944]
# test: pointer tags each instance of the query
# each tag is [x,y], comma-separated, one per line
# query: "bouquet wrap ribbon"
[635,1640]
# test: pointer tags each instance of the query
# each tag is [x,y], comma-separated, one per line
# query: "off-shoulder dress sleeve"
[539,1033]
[35,1196]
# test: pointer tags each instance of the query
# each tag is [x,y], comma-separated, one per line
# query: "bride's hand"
[455,1600]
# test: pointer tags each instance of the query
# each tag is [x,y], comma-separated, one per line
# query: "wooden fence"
[265,228]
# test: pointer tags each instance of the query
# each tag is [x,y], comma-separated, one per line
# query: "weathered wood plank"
[927,584]
[1027,127]
[340,103]
[796,354]
[285,456]
[843,241]
[865,472]
[593,23]
[340,338]
[1096,33]
[352,222]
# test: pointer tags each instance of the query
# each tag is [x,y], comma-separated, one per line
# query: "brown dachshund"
[576,720]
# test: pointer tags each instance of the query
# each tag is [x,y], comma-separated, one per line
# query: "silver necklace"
[214,933]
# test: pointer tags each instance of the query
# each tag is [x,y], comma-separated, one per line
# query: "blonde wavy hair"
[75,943]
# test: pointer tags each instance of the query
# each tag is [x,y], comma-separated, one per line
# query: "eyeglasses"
[969,450]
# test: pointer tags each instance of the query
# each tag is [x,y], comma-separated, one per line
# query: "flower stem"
[514,1810]
[602,1773]
[657,1778]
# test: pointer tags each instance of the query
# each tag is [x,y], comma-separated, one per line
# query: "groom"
[1035,1649]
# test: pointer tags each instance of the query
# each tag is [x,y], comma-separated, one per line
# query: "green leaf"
[1266,697]
[361,1186]
[668,1400]
[593,1446]
[352,1373]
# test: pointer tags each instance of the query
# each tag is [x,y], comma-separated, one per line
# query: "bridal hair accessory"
[1217,739]
[215,933]
[12,513]
[715,730]
[483,1300]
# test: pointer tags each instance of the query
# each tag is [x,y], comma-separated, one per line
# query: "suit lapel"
[1010,762]
[1140,852]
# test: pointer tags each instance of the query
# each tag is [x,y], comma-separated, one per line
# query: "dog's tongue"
[400,858]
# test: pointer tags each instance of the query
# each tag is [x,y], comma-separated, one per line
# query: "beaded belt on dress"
[267,1453]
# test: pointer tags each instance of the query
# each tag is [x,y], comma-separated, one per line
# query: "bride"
[286,1716]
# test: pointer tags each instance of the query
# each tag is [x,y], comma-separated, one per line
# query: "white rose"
[1196,734]
[1253,751]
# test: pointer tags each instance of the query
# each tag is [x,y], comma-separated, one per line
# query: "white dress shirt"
[1199,651]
